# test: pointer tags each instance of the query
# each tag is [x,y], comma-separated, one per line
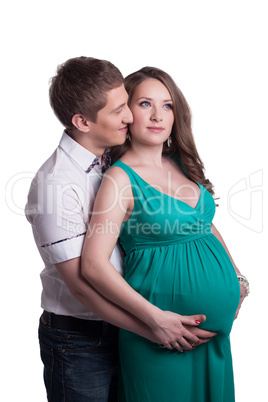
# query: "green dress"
[174,261]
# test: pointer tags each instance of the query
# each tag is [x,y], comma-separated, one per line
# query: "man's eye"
[119,111]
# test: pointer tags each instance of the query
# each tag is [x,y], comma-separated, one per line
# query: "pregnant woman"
[156,199]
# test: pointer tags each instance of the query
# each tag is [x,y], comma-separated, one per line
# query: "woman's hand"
[180,332]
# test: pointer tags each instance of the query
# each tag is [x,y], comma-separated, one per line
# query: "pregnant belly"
[218,303]
[188,280]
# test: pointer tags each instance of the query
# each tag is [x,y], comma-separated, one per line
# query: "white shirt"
[59,206]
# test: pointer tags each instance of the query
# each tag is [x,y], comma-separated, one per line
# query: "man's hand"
[203,335]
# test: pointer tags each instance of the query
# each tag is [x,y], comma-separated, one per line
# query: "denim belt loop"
[47,320]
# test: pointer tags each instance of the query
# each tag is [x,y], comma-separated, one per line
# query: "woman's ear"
[81,123]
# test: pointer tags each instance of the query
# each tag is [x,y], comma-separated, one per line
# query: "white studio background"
[217,53]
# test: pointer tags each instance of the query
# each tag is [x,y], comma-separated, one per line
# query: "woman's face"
[153,117]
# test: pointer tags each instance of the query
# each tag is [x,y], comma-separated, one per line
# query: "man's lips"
[123,129]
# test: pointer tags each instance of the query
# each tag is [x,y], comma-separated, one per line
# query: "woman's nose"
[156,115]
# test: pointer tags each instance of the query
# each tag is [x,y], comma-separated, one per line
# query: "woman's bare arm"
[110,209]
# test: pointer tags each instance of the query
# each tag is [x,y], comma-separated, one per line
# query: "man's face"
[112,121]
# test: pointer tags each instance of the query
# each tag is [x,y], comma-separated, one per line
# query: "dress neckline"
[164,194]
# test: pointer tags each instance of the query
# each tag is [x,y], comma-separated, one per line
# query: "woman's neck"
[144,156]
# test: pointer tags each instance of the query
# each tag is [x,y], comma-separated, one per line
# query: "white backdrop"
[217,53]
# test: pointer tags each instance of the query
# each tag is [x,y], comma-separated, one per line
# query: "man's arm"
[95,302]
[53,221]
[103,308]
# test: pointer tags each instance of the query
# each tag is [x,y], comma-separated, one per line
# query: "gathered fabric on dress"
[173,260]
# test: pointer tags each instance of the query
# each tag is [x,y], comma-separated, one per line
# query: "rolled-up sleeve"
[57,215]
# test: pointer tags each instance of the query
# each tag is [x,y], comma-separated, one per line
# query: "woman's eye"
[168,106]
[145,103]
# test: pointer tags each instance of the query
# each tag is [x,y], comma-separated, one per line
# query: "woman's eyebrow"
[146,98]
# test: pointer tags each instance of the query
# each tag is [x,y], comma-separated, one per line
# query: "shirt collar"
[79,154]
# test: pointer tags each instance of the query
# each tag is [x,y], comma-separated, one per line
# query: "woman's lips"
[155,129]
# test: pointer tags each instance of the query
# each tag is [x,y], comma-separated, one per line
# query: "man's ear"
[81,123]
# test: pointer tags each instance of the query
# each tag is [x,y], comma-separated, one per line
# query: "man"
[78,348]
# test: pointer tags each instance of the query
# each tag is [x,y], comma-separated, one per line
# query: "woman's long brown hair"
[182,148]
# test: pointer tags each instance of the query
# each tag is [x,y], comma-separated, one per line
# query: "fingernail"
[197,322]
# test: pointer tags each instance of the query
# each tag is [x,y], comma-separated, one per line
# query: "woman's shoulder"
[118,172]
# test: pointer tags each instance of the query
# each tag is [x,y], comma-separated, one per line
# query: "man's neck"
[85,141]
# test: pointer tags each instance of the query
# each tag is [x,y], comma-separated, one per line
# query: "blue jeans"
[79,366]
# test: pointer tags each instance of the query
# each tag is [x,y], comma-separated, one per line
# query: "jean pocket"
[80,343]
